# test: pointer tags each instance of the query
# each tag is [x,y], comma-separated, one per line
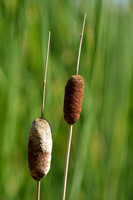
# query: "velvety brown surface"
[39,148]
[74,92]
[38,162]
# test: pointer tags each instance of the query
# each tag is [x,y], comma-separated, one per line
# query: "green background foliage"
[101,164]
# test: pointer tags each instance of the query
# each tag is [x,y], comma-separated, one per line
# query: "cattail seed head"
[74,92]
[39,148]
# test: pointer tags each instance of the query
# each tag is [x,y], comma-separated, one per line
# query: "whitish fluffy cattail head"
[39,148]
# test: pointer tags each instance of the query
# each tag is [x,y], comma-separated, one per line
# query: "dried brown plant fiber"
[39,148]
[74,92]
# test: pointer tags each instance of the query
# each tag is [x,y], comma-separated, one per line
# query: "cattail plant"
[40,141]
[74,92]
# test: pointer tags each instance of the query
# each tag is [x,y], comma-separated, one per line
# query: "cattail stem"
[38,190]
[67,162]
[70,128]
[43,99]
[80,44]
[44,80]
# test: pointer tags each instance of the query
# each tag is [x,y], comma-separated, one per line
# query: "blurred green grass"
[101,154]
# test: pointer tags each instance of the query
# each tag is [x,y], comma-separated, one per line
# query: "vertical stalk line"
[43,99]
[80,45]
[70,128]
[44,80]
[38,190]
[67,161]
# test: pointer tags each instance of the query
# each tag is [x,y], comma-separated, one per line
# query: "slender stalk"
[70,128]
[38,190]
[43,99]
[80,45]
[44,80]
[67,162]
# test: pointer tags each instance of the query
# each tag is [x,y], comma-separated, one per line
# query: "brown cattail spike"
[74,92]
[39,148]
